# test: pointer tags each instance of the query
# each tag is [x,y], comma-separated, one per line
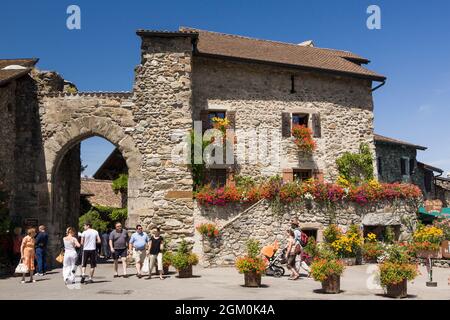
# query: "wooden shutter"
[317,131]
[286,124]
[205,120]
[288,175]
[231,116]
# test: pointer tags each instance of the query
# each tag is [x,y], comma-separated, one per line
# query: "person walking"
[89,240]
[138,245]
[118,243]
[27,253]
[41,250]
[300,263]
[70,256]
[291,254]
[106,253]
[155,249]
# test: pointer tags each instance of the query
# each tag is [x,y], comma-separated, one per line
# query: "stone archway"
[62,160]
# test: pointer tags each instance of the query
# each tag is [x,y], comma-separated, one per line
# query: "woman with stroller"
[291,254]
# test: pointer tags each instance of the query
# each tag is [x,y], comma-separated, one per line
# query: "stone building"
[397,162]
[184,76]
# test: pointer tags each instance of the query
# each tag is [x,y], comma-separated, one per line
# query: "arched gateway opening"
[62,153]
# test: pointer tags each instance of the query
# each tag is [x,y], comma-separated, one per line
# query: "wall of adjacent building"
[259,94]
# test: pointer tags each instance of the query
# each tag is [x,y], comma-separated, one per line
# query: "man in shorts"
[89,240]
[118,243]
[138,245]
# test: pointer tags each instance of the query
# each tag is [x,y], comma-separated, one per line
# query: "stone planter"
[185,273]
[332,284]
[445,249]
[426,254]
[399,290]
[349,261]
[252,279]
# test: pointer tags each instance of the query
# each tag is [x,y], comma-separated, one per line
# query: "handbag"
[145,265]
[21,268]
[60,257]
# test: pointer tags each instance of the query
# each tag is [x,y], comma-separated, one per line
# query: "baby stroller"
[275,261]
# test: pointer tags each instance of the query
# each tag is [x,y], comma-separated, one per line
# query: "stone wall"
[260,222]
[162,97]
[442,187]
[259,94]
[390,155]
[7,134]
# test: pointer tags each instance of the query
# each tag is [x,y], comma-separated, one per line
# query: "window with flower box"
[308,119]
[216,177]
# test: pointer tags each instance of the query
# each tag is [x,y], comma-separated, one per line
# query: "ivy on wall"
[356,168]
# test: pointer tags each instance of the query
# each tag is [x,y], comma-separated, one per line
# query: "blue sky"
[412,49]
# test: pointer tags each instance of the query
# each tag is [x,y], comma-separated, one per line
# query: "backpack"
[303,239]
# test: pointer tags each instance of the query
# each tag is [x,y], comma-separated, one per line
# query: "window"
[428,180]
[404,166]
[302,175]
[300,118]
[379,166]
[412,163]
[215,114]
[310,233]
[216,177]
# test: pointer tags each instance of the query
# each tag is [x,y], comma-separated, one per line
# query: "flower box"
[397,290]
[332,284]
[252,279]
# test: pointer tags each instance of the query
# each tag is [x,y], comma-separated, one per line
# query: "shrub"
[325,265]
[356,167]
[119,214]
[331,233]
[183,257]
[427,237]
[397,266]
[252,261]
[120,184]
[167,258]
[94,218]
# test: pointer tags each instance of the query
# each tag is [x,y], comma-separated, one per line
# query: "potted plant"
[371,249]
[208,230]
[252,265]
[183,260]
[427,241]
[396,270]
[327,268]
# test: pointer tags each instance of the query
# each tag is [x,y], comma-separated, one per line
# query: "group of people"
[81,249]
[140,246]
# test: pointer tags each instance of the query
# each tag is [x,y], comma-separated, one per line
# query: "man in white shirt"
[89,240]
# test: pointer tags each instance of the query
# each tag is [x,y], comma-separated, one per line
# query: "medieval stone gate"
[144,125]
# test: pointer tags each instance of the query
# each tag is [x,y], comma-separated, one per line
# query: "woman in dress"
[70,255]
[27,253]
